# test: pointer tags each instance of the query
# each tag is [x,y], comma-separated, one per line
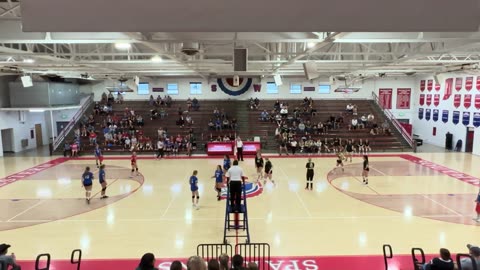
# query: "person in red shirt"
[93,138]
[133,162]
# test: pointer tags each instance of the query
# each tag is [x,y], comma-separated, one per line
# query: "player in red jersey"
[133,162]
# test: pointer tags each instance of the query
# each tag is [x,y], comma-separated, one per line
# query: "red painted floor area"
[373,262]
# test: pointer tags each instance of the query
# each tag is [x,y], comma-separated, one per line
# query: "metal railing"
[214,251]
[394,121]
[84,105]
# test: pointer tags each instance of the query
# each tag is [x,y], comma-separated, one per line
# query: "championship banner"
[448,88]
[466,118]
[477,102]
[469,83]
[445,116]
[456,117]
[476,119]
[478,83]
[436,100]
[422,99]
[437,87]
[429,85]
[422,85]
[428,113]
[403,98]
[435,115]
[429,100]
[458,83]
[457,100]
[420,113]
[385,97]
[467,100]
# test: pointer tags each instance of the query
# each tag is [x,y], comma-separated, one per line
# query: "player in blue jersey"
[194,188]
[226,163]
[218,181]
[87,182]
[103,181]
[98,156]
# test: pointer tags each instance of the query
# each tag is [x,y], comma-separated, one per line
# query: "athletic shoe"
[105,197]
[197,207]
[88,201]
[476,219]
[219,198]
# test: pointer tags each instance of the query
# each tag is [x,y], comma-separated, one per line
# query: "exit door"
[469,140]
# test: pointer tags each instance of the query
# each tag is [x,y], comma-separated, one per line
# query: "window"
[143,88]
[172,88]
[272,88]
[295,88]
[324,89]
[195,88]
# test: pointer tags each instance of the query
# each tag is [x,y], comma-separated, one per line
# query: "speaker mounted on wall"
[310,69]
[278,80]
[240,59]
[26,81]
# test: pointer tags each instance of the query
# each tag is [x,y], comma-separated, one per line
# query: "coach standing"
[234,179]
[239,145]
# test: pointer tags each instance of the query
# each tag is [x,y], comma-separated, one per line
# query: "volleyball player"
[268,171]
[226,163]
[87,182]
[103,181]
[366,147]
[310,172]
[98,156]
[218,181]
[340,158]
[194,189]
[349,149]
[366,169]
[133,162]
[361,148]
[259,166]
[477,208]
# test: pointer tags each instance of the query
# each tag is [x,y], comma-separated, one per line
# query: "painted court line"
[369,187]
[26,210]
[442,205]
[298,196]
[382,173]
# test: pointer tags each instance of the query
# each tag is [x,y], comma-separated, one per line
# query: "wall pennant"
[448,88]
[422,85]
[429,100]
[435,115]
[428,113]
[437,87]
[429,85]
[466,118]
[476,119]
[456,117]
[477,102]
[445,116]
[469,83]
[457,100]
[467,100]
[422,99]
[420,113]
[478,83]
[458,83]
[436,100]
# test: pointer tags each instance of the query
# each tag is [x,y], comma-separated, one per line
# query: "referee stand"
[236,222]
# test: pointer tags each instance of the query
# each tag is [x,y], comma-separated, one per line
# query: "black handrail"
[37,262]
[258,253]
[78,259]
[415,260]
[213,251]
[386,256]
[462,255]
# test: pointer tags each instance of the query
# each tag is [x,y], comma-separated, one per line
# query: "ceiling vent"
[190,48]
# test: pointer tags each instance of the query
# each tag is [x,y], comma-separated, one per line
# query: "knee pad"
[133,170]
[103,189]
[218,189]
[193,197]
[136,169]
[198,197]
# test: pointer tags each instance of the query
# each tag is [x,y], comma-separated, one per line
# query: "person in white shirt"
[354,124]
[235,177]
[160,149]
[293,145]
[239,145]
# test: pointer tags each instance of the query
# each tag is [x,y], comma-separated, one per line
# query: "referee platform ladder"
[236,222]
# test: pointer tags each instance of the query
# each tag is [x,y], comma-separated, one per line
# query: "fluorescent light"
[36,110]
[28,61]
[156,59]
[123,46]
[310,45]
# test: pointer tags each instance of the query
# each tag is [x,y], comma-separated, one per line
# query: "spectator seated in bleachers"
[163,113]
[189,104]
[153,114]
[119,98]
[216,112]
[188,120]
[385,130]
[104,98]
[9,260]
[349,108]
[195,104]
[253,103]
[354,124]
[168,101]
[218,124]
[466,263]
[140,121]
[264,116]
[284,111]
[110,98]
[147,262]
[181,121]
[151,101]
[443,262]
[211,125]
[276,106]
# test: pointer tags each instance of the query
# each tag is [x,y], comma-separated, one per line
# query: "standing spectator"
[239,145]
[444,262]
[9,260]
[67,150]
[264,115]
[234,179]
[160,146]
[466,263]
[147,262]
[213,265]
[196,263]
[477,208]
[176,265]
[237,262]
[252,266]
[293,145]
[224,265]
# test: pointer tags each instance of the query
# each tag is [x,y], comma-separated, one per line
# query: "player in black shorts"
[360,147]
[366,147]
[259,166]
[268,171]
[340,158]
[349,150]
[366,169]
[310,172]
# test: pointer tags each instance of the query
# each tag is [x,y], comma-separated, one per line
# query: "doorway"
[7,140]
[38,134]
[469,140]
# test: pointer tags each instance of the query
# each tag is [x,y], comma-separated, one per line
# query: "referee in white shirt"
[160,148]
[239,145]
[235,179]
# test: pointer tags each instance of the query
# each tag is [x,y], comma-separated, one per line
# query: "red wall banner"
[429,85]
[403,98]
[437,87]
[422,85]
[477,102]
[448,88]
[385,97]
[468,83]
[478,83]
[429,100]
[458,83]
[457,100]
[422,99]
[467,100]
[436,100]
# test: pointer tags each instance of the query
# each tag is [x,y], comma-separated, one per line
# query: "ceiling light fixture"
[310,45]
[156,59]
[123,46]
[36,110]
[28,61]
